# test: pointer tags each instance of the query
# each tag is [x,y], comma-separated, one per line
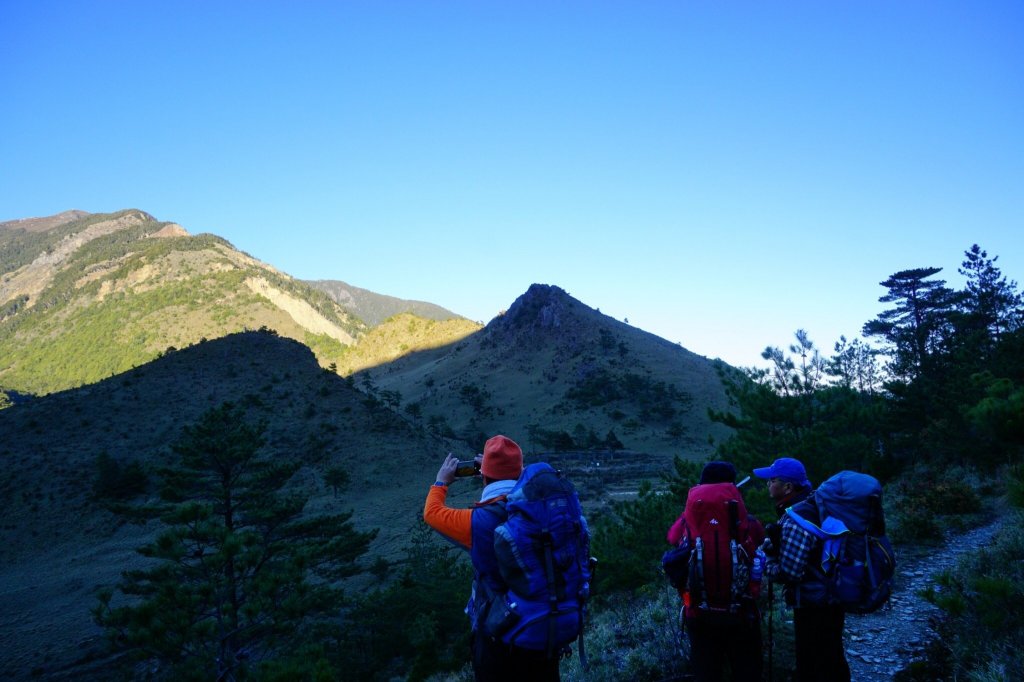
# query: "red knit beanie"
[503,459]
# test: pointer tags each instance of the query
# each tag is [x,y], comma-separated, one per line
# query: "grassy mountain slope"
[58,544]
[400,335]
[373,308]
[552,364]
[84,297]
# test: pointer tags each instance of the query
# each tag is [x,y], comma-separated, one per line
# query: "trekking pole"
[584,661]
[771,630]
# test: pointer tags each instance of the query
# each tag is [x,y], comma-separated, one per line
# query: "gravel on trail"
[880,644]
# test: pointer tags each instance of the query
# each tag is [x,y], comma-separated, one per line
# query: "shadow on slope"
[60,544]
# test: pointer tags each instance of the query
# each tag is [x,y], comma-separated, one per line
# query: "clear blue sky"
[721,174]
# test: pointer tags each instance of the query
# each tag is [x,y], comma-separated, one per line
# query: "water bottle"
[757,572]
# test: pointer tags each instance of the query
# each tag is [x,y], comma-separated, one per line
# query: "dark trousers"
[715,646]
[819,644]
[499,662]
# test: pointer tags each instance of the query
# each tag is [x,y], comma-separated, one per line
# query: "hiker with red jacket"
[818,628]
[473,529]
[719,599]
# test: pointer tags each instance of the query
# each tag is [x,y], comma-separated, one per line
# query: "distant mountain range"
[116,330]
[373,308]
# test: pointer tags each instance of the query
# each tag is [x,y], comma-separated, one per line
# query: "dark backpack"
[543,552]
[721,540]
[857,562]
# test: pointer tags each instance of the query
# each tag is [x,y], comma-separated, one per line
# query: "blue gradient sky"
[721,174]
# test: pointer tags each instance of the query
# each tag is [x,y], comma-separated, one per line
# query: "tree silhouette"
[991,303]
[918,324]
[240,574]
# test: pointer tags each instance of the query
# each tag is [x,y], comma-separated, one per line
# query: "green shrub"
[922,502]
[912,524]
[415,626]
[634,637]
[629,541]
[1015,486]
[117,481]
[983,599]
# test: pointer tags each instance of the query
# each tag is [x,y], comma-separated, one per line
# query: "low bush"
[633,638]
[983,599]
[921,503]
[117,481]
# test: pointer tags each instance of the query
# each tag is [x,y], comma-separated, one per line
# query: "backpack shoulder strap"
[494,505]
[496,511]
[807,525]
[830,534]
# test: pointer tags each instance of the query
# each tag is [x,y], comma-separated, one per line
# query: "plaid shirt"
[791,563]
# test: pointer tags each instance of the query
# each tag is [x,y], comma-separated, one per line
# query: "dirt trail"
[881,644]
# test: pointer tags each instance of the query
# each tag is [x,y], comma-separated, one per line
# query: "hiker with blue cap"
[787,482]
[787,485]
[791,548]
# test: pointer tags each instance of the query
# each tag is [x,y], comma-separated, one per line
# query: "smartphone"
[469,467]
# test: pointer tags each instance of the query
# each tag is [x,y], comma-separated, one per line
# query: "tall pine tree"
[991,304]
[917,326]
[241,575]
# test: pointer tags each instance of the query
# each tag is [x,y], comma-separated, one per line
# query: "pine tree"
[917,327]
[855,366]
[991,302]
[241,574]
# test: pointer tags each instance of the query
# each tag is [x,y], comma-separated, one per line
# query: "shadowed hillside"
[58,543]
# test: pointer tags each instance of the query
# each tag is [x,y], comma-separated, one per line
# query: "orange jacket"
[455,524]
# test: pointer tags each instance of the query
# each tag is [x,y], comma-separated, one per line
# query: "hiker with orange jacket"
[472,529]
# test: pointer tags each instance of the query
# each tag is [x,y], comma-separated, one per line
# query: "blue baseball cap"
[786,469]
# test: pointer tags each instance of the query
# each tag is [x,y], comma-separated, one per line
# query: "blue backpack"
[857,562]
[543,553]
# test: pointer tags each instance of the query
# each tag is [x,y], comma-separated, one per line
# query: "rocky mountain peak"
[543,306]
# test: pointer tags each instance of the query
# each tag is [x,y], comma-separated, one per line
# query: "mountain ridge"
[374,308]
[59,276]
[95,296]
[184,326]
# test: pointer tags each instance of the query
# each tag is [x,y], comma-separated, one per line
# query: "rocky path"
[881,644]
